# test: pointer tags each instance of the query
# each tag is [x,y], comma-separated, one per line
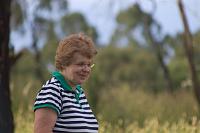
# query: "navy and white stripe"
[72,116]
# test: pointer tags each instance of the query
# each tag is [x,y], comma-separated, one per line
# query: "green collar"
[66,86]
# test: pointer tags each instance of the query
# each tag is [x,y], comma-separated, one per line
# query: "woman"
[61,105]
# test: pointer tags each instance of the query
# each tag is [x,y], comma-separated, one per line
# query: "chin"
[81,81]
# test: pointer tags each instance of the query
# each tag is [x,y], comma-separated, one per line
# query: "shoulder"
[52,84]
[52,81]
[51,88]
[49,96]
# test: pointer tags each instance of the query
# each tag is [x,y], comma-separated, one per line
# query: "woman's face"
[78,71]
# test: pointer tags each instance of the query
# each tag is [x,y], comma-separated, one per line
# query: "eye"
[90,65]
[80,64]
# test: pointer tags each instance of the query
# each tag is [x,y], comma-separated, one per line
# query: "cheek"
[72,73]
[75,72]
[89,73]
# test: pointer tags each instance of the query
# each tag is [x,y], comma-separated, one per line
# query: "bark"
[6,116]
[189,52]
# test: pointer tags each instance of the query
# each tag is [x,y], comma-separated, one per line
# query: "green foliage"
[49,52]
[74,23]
[178,63]
[24,83]
[131,65]
[46,4]
[44,28]
[135,20]
[49,6]
[17,15]
[133,16]
[179,70]
[138,27]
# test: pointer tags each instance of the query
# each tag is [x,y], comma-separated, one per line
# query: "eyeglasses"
[83,65]
[92,65]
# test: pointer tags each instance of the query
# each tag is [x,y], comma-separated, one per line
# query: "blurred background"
[146,74]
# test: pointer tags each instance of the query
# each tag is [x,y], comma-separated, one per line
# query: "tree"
[188,46]
[76,22]
[41,25]
[135,20]
[6,117]
[178,62]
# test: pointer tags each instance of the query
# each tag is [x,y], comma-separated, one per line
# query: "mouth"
[83,76]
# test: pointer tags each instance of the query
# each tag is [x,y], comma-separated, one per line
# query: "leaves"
[17,15]
[76,22]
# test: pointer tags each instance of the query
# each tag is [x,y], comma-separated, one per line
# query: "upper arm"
[47,107]
[45,119]
[49,96]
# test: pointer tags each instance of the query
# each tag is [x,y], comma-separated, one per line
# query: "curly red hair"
[75,43]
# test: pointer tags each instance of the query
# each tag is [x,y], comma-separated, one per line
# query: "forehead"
[81,58]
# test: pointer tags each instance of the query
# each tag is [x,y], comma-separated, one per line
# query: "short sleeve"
[49,97]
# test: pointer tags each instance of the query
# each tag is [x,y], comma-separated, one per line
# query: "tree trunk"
[157,47]
[37,55]
[158,52]
[189,52]
[6,117]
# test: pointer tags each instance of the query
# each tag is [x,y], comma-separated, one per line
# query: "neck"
[72,84]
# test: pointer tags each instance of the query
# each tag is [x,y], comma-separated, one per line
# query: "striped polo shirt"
[73,116]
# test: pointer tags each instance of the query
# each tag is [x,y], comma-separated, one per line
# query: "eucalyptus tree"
[189,51]
[76,22]
[135,25]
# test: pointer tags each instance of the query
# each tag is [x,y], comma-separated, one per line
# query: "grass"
[24,124]
[123,110]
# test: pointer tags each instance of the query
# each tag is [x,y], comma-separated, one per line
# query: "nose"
[86,68]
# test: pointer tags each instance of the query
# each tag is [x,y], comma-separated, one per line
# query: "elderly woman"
[61,105]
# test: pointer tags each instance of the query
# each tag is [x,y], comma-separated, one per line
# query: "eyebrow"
[89,62]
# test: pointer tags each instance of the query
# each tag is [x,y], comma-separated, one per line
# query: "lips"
[83,76]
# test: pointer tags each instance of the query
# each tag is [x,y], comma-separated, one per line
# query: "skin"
[45,119]
[76,73]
